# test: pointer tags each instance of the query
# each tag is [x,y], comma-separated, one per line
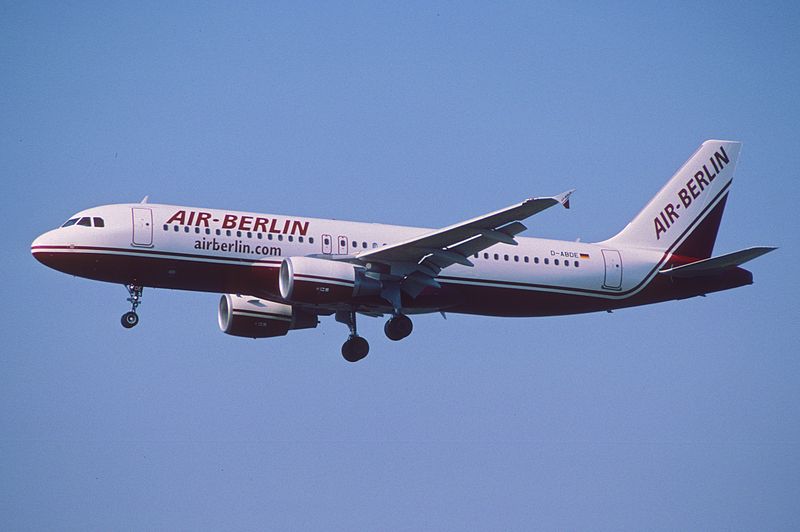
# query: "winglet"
[563,198]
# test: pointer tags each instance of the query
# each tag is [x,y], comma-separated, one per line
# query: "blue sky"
[682,415]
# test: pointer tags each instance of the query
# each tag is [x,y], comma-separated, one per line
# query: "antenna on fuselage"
[145,199]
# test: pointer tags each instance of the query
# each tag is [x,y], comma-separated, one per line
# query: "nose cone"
[43,246]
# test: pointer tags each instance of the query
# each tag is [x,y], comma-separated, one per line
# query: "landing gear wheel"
[129,319]
[355,349]
[398,327]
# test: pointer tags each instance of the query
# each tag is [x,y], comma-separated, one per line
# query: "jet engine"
[258,318]
[319,281]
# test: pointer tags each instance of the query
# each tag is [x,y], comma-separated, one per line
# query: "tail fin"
[683,218]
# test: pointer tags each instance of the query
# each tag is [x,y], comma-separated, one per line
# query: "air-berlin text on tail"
[693,189]
[256,224]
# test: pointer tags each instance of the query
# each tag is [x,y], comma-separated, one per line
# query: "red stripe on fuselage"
[512,300]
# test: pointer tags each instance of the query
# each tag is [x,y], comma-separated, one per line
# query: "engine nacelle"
[258,318]
[319,281]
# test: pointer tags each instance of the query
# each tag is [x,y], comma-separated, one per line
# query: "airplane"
[282,273]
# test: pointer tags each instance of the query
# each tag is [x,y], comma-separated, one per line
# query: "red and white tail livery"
[280,273]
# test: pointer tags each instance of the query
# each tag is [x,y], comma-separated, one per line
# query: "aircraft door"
[613,276]
[327,244]
[342,245]
[142,227]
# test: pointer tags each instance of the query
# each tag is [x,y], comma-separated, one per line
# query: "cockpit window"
[98,222]
[85,221]
[71,221]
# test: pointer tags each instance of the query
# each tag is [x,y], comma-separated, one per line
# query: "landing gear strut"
[130,318]
[355,347]
[398,327]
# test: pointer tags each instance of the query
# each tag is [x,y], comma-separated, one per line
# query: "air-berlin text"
[256,224]
[693,189]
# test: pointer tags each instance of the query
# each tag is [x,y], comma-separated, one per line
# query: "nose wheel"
[355,347]
[130,318]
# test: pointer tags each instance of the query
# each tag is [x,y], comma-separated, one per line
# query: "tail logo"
[694,188]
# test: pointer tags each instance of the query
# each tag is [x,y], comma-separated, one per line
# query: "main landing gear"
[356,347]
[398,327]
[130,318]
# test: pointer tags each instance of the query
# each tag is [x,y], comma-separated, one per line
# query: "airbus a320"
[282,273]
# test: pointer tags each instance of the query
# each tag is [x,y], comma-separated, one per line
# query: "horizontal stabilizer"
[717,264]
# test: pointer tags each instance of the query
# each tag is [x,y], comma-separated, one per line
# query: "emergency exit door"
[343,245]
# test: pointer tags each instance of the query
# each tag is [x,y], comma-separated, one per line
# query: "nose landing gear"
[130,318]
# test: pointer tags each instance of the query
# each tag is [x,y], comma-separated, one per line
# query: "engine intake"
[318,281]
[258,318]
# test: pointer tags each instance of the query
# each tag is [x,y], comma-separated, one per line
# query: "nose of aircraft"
[41,245]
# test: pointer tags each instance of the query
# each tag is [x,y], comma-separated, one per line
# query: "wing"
[426,255]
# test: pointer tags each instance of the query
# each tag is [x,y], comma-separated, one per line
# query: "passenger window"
[364,245]
[176,228]
[280,237]
[228,232]
[566,263]
[259,235]
[516,258]
[239,234]
[505,257]
[186,229]
[85,221]
[547,261]
[269,236]
[311,240]
[496,256]
[300,239]
[208,231]
[577,264]
[555,262]
[536,260]
[98,222]
[249,234]
[355,244]
[291,238]
[526,259]
[71,221]
[166,227]
[197,230]
[219,232]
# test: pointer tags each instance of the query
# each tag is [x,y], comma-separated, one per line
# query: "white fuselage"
[164,241]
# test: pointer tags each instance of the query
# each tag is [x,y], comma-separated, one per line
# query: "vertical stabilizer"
[683,218]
